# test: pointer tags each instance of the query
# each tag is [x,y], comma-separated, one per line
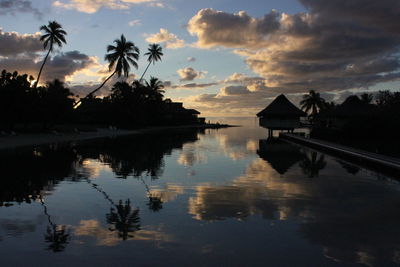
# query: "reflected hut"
[279,154]
[281,114]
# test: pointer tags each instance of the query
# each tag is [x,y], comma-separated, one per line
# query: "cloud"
[333,46]
[92,6]
[24,53]
[15,6]
[59,66]
[234,90]
[13,43]
[169,39]
[135,22]
[83,89]
[217,28]
[189,74]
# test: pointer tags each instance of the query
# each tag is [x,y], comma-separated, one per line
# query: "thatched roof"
[281,106]
[352,106]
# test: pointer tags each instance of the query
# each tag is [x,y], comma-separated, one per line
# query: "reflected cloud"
[190,155]
[168,193]
[329,211]
[104,237]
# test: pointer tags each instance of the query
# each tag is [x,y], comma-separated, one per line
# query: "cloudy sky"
[224,58]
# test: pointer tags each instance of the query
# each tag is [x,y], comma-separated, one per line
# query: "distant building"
[175,113]
[281,114]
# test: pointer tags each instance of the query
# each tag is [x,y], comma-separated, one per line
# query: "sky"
[223,58]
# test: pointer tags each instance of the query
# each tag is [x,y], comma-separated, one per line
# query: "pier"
[368,159]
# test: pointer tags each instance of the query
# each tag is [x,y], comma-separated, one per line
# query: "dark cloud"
[336,45]
[8,7]
[13,43]
[191,85]
[59,66]
[220,28]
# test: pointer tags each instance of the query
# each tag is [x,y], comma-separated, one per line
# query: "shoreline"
[21,141]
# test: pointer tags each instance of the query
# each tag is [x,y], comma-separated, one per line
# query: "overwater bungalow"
[281,114]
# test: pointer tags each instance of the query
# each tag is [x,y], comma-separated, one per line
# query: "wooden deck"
[375,161]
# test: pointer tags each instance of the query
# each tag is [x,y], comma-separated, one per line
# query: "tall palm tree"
[155,87]
[154,54]
[124,54]
[53,35]
[312,102]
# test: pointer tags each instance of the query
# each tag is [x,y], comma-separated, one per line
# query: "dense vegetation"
[26,107]
[29,106]
[371,121]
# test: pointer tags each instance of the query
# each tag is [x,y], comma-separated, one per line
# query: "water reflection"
[124,219]
[355,221]
[57,236]
[245,191]
[279,154]
[312,163]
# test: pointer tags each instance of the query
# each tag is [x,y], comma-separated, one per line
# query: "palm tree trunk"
[95,90]
[145,71]
[41,68]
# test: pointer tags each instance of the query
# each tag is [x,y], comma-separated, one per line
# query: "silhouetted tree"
[312,102]
[312,165]
[154,54]
[367,98]
[124,219]
[124,54]
[155,87]
[53,35]
[57,236]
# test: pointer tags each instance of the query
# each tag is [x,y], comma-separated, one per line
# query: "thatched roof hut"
[281,114]
[281,107]
[352,107]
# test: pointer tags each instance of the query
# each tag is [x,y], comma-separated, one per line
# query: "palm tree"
[366,98]
[312,102]
[155,87]
[53,35]
[154,53]
[124,54]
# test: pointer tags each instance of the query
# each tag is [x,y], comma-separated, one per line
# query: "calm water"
[185,198]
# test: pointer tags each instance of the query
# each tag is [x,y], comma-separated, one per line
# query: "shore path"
[31,140]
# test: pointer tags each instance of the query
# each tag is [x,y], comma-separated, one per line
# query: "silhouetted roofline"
[281,106]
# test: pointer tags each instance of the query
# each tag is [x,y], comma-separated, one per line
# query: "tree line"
[369,121]
[29,104]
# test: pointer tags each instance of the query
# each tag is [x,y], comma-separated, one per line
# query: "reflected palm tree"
[155,202]
[58,236]
[53,35]
[312,165]
[124,219]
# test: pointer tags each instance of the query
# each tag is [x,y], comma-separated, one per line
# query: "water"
[184,198]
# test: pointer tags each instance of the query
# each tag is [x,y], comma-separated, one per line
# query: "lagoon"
[225,197]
